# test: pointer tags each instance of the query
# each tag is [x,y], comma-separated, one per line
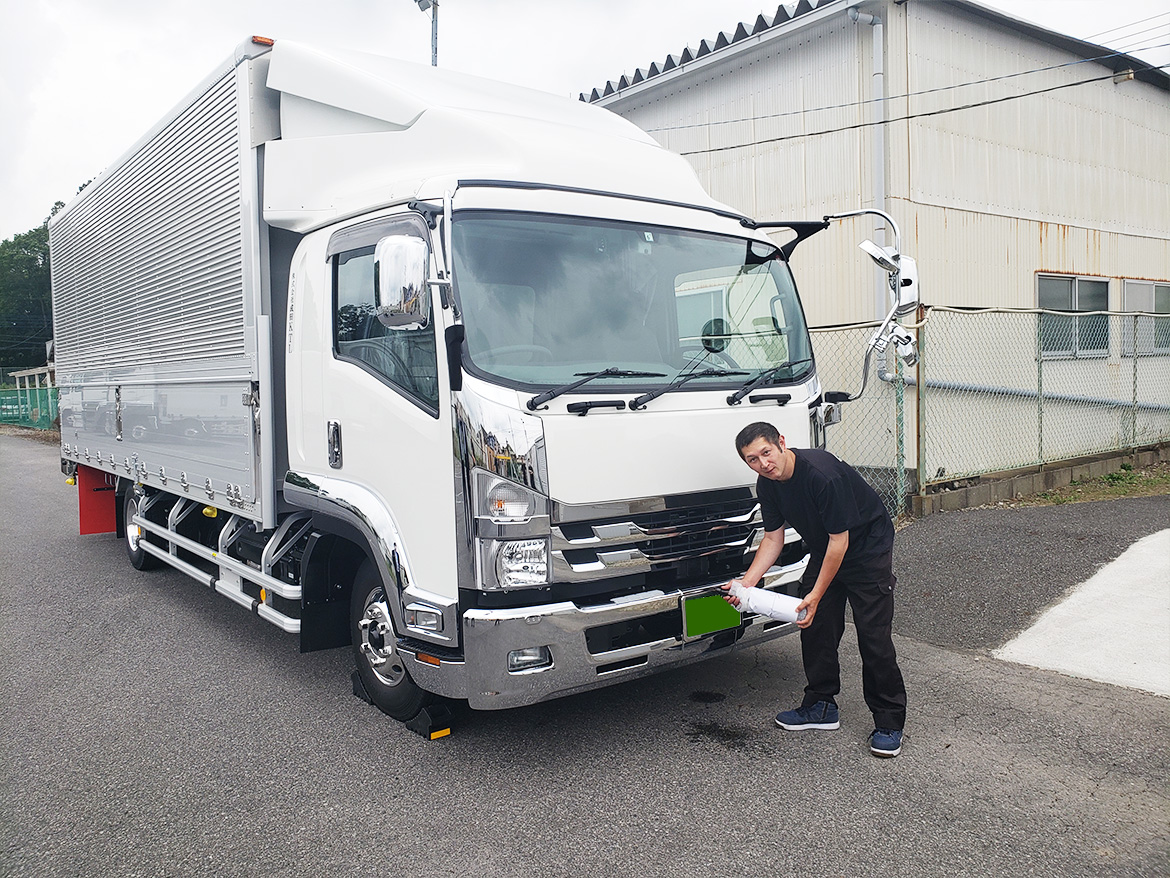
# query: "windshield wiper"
[639,402]
[735,398]
[612,372]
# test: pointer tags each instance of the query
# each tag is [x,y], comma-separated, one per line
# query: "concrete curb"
[998,487]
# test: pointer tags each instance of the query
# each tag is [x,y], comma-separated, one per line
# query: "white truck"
[443,369]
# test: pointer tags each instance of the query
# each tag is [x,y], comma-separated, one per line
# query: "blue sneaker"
[821,715]
[885,742]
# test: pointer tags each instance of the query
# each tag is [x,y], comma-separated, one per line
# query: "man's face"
[765,458]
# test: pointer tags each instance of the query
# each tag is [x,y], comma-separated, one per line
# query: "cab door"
[385,416]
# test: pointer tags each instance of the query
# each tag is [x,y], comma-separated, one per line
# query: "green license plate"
[708,613]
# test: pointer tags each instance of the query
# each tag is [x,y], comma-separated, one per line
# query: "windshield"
[547,299]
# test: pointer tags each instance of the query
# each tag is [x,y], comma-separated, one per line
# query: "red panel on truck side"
[96,501]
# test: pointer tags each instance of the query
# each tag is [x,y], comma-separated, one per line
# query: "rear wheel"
[379,664]
[135,536]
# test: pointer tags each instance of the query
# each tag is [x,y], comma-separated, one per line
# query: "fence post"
[1040,387]
[920,398]
[1133,409]
[900,432]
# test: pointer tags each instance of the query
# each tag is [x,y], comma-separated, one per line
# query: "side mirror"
[903,272]
[885,257]
[402,298]
[906,291]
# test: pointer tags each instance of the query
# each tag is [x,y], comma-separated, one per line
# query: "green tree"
[26,311]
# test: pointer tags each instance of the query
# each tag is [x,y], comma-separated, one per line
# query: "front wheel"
[380,665]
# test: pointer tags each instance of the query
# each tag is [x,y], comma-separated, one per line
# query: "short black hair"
[752,432]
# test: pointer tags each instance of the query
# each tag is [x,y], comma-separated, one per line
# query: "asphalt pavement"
[150,727]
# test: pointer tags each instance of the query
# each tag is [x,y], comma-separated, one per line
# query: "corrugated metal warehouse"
[1025,168]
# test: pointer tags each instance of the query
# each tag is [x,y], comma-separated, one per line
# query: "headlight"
[522,563]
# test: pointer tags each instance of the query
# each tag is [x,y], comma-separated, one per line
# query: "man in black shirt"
[851,541]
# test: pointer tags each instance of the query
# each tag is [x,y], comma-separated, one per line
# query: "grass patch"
[1148,481]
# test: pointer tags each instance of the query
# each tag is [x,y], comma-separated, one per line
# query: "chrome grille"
[656,541]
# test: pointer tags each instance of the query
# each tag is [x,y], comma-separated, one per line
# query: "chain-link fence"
[29,407]
[876,429]
[998,390]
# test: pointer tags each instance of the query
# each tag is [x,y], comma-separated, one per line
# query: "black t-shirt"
[826,496]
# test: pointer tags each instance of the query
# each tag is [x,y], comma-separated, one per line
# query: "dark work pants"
[873,615]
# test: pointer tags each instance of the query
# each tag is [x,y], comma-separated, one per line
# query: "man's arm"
[766,555]
[834,555]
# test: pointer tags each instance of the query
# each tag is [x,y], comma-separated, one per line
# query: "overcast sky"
[82,80]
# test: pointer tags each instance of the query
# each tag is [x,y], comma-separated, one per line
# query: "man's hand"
[727,596]
[809,604]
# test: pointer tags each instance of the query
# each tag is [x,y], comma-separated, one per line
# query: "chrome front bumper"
[489,636]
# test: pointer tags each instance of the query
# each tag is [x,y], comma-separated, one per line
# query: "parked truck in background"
[443,369]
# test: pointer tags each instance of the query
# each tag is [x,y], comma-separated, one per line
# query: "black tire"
[139,558]
[380,666]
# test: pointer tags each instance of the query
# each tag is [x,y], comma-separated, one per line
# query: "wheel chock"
[433,721]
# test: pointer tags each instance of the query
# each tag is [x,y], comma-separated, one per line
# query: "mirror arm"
[430,212]
[868,210]
[879,341]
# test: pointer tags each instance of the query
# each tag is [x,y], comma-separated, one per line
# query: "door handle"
[333,434]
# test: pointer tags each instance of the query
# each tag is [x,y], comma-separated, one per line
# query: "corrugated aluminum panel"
[148,269]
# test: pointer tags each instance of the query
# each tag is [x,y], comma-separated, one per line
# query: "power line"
[905,118]
[1130,48]
[1131,24]
[913,94]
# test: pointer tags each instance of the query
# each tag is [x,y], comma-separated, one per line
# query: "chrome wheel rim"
[133,531]
[376,641]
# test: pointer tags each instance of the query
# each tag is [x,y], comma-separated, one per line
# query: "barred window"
[1152,333]
[1072,335]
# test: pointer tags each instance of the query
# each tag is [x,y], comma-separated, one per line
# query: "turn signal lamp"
[507,501]
[72,480]
[263,41]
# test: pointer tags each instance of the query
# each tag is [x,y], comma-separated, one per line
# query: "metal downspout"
[878,158]
[878,175]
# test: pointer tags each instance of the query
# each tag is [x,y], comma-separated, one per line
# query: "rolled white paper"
[767,603]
